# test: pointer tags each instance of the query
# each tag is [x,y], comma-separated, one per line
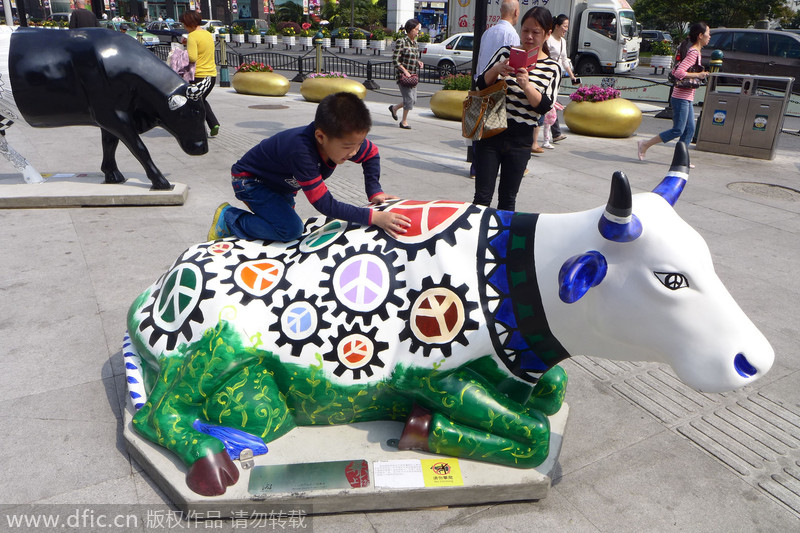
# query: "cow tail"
[133,373]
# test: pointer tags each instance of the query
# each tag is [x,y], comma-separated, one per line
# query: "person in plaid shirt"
[406,63]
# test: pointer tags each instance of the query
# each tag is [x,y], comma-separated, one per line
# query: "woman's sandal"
[392,111]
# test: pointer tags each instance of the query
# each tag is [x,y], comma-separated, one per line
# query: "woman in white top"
[557,43]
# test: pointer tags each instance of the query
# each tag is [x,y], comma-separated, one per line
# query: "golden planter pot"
[611,118]
[315,89]
[448,104]
[260,83]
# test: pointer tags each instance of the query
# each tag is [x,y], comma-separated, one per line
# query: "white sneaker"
[548,146]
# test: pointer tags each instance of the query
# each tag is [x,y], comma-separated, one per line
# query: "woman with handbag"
[530,93]
[557,43]
[688,75]
[407,65]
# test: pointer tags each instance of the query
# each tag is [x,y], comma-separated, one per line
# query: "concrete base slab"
[84,190]
[482,482]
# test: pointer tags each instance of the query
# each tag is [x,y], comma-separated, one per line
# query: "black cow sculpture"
[102,78]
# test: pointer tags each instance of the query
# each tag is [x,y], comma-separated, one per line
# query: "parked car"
[759,52]
[169,32]
[452,54]
[59,17]
[212,26]
[651,36]
[350,31]
[148,39]
[261,24]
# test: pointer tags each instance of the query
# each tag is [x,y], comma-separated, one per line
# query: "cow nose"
[743,366]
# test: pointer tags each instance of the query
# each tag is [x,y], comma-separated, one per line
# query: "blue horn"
[672,185]
[618,222]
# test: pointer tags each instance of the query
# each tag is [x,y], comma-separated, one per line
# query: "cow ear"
[176,101]
[580,273]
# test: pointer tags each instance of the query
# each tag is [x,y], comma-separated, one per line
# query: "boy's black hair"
[340,114]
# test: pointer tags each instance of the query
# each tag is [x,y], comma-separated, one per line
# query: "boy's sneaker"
[548,146]
[214,131]
[219,229]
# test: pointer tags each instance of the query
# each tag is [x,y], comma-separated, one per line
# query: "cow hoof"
[212,474]
[416,431]
[166,186]
[115,177]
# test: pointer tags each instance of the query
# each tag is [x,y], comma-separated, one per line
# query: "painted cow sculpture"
[96,77]
[455,327]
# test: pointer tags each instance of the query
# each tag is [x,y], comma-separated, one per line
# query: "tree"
[677,15]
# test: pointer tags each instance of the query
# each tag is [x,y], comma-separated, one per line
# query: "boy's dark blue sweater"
[290,161]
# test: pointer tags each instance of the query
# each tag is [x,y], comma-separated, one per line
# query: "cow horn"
[176,101]
[672,185]
[618,222]
[580,273]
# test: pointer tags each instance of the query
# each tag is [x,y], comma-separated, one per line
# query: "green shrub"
[457,82]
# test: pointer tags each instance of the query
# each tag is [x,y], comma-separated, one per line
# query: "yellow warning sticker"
[442,472]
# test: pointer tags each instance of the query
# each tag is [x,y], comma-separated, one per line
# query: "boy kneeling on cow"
[270,174]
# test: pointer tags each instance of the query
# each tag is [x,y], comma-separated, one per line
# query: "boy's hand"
[379,198]
[392,223]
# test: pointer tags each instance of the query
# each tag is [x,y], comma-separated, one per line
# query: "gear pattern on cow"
[319,236]
[433,222]
[229,247]
[364,283]
[174,305]
[255,278]
[299,322]
[438,317]
[356,350]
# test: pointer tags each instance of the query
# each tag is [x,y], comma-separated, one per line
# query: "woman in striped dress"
[531,93]
[683,99]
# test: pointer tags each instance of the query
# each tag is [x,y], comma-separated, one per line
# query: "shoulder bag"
[687,83]
[408,81]
[484,113]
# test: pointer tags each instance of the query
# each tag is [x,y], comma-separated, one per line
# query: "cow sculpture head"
[645,287]
[184,117]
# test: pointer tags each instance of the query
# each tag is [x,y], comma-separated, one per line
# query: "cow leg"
[127,134]
[109,165]
[29,174]
[184,382]
[469,418]
[549,392]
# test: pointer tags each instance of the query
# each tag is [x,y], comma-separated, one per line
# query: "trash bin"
[743,114]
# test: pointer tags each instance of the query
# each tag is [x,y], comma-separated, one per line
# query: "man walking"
[82,17]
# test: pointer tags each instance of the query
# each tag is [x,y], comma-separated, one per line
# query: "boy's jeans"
[273,217]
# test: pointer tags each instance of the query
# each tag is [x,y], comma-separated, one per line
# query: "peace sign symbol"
[437,316]
[259,277]
[355,350]
[299,320]
[180,294]
[220,248]
[362,282]
[322,237]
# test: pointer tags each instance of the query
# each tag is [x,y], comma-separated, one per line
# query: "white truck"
[602,38]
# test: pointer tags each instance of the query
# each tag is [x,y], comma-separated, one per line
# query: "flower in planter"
[237,30]
[307,32]
[457,82]
[378,34]
[343,34]
[359,35]
[254,31]
[423,37]
[289,31]
[328,75]
[661,48]
[272,30]
[253,66]
[594,93]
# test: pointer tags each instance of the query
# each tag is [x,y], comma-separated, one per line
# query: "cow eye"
[672,280]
